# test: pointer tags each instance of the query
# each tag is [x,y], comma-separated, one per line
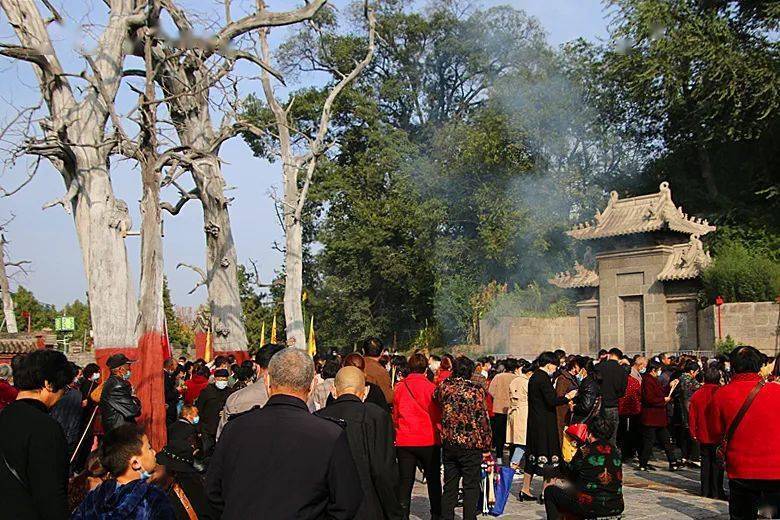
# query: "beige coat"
[517,420]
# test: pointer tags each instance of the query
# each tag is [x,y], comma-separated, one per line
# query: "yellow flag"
[273,330]
[209,353]
[262,334]
[312,339]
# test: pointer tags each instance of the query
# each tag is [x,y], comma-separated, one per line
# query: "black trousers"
[498,425]
[711,473]
[209,443]
[461,463]
[429,458]
[611,414]
[746,496]
[559,502]
[688,447]
[649,435]
[629,436]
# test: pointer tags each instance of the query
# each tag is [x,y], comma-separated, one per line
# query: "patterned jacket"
[464,415]
[598,478]
[137,500]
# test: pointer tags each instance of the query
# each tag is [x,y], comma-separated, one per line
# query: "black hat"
[222,372]
[117,360]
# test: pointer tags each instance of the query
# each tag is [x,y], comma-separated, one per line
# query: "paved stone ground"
[654,494]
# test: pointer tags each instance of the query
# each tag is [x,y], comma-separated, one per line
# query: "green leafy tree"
[179,334]
[741,275]
[42,315]
[700,83]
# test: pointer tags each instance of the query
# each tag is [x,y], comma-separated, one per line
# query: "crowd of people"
[344,436]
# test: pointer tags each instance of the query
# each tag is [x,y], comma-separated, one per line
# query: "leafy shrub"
[726,345]
[739,274]
[534,300]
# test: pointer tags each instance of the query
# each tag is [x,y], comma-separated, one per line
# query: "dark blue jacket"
[137,500]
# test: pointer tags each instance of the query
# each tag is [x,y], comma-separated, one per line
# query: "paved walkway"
[656,494]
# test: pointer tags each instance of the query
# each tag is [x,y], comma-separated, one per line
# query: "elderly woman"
[7,390]
[465,437]
[596,476]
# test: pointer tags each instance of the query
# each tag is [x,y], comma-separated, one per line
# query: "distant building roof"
[582,277]
[642,214]
[22,343]
[686,261]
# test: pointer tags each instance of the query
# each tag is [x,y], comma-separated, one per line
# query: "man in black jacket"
[614,379]
[210,403]
[171,395]
[33,451]
[118,405]
[370,436]
[280,461]
[69,413]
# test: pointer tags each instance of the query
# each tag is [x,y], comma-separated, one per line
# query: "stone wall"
[749,323]
[529,336]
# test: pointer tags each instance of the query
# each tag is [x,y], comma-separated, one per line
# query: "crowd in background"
[344,436]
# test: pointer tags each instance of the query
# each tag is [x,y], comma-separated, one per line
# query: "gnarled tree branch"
[198,270]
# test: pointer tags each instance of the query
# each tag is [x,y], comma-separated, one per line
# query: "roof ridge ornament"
[640,214]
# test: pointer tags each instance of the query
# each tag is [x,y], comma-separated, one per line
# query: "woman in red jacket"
[753,452]
[417,419]
[701,423]
[653,417]
[195,385]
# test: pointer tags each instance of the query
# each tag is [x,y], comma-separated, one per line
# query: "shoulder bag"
[720,452]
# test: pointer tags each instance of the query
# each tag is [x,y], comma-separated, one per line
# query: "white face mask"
[484,373]
[221,384]
[95,376]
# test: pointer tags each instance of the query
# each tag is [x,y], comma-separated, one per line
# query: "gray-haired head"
[5,371]
[292,369]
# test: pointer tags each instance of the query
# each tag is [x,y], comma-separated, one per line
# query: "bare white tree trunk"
[293,264]
[8,302]
[187,82]
[75,142]
[295,194]
[221,260]
[101,224]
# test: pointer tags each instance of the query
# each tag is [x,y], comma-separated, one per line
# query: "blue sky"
[48,238]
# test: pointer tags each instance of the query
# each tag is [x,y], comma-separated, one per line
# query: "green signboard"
[65,324]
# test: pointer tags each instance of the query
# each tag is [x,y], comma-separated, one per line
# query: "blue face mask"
[144,475]
[196,419]
[127,375]
[580,377]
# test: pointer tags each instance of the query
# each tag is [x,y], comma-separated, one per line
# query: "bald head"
[350,380]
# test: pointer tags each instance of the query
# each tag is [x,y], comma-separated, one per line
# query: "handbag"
[579,431]
[720,452]
[569,446]
[576,434]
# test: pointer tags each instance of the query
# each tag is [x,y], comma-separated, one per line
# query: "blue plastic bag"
[503,488]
